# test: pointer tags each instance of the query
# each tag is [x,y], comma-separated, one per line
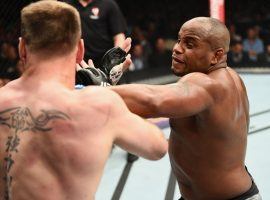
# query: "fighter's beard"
[176,73]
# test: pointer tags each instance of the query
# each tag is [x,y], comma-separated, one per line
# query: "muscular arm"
[133,133]
[189,96]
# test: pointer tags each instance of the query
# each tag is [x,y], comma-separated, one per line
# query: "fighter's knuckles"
[112,64]
[91,76]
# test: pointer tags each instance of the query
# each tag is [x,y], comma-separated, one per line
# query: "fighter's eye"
[179,40]
[189,45]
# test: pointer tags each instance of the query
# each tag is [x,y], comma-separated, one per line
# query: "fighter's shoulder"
[209,84]
[201,80]
[99,96]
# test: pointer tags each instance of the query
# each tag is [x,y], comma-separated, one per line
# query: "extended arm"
[135,134]
[186,97]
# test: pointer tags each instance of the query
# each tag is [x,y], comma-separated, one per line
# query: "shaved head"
[210,29]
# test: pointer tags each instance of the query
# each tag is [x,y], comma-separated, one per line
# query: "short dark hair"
[50,26]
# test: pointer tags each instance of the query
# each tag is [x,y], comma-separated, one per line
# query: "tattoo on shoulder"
[21,119]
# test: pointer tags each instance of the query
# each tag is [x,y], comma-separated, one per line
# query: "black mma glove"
[110,71]
[111,64]
[91,76]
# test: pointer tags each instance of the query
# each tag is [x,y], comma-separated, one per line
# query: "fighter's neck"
[222,63]
[58,70]
[216,67]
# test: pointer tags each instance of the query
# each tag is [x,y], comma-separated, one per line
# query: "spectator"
[139,36]
[161,57]
[236,56]
[253,45]
[8,62]
[233,34]
[139,60]
[264,59]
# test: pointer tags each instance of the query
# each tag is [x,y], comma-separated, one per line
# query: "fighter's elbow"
[159,151]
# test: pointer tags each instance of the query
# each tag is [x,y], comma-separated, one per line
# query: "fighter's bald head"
[210,29]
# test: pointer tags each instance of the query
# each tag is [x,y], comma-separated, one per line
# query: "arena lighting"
[217,9]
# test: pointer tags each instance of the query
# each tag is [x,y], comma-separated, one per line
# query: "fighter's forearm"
[139,98]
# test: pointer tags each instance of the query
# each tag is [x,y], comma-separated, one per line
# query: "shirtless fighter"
[209,115]
[54,140]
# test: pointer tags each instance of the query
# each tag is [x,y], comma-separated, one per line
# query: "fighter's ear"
[22,49]
[80,52]
[218,54]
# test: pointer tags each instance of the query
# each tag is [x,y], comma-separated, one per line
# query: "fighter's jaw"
[179,68]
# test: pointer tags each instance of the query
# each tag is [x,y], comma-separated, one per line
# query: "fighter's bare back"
[51,144]
[54,145]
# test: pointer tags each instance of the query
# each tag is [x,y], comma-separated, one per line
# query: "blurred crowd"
[153,26]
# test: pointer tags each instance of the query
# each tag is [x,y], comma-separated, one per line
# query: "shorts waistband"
[248,194]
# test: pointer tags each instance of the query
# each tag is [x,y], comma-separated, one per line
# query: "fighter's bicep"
[200,99]
[120,118]
[128,127]
[135,134]
[142,138]
[184,99]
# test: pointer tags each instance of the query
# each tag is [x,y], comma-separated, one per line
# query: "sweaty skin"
[208,112]
[54,140]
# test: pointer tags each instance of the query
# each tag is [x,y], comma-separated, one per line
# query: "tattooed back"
[50,147]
